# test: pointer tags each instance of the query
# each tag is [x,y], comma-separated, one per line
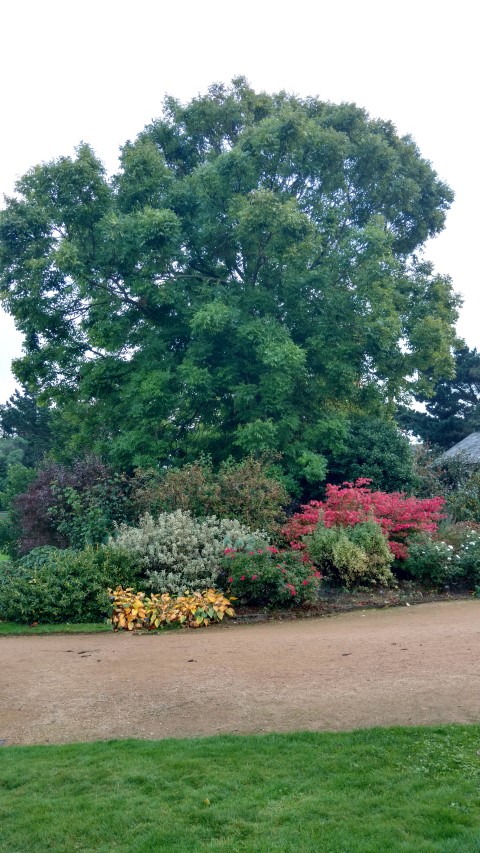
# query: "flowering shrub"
[134,610]
[352,556]
[453,559]
[268,576]
[178,552]
[353,503]
[431,561]
[459,534]
[467,558]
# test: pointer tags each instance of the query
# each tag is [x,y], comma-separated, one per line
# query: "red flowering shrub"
[354,503]
[269,576]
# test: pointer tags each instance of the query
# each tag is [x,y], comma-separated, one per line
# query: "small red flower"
[230,580]
[242,578]
[305,583]
[254,577]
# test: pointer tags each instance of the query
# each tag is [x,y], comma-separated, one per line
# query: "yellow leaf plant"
[134,610]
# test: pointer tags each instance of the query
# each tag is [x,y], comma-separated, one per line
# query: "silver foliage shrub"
[178,552]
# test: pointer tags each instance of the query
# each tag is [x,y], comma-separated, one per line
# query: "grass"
[376,791]
[3,557]
[12,628]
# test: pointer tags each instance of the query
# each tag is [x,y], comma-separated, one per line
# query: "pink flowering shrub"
[353,503]
[271,577]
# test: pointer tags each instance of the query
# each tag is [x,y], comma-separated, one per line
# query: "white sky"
[98,71]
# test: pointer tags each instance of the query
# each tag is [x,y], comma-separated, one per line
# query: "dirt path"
[406,666]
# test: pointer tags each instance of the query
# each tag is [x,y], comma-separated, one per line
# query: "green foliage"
[464,537]
[453,411]
[251,272]
[52,585]
[16,481]
[456,478]
[30,425]
[270,577]
[179,553]
[431,561]
[70,506]
[463,502]
[373,447]
[352,556]
[88,517]
[243,490]
[8,535]
[12,452]
[452,558]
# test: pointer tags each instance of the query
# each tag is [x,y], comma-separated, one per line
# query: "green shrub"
[8,535]
[17,479]
[452,560]
[352,556]
[180,553]
[463,502]
[243,490]
[468,559]
[270,577]
[53,585]
[430,561]
[465,538]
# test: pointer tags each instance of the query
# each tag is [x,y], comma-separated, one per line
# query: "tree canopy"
[29,425]
[250,278]
[453,411]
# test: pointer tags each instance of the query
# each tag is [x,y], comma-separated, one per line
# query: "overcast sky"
[98,72]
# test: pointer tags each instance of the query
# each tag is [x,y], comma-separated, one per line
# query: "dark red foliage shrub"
[69,506]
[354,503]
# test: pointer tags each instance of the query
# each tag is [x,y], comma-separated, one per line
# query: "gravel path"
[404,666]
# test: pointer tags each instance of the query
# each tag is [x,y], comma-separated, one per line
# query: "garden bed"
[343,601]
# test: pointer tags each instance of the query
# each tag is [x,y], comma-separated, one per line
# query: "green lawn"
[375,791]
[7,628]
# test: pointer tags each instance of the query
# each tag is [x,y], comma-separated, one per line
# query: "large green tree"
[250,276]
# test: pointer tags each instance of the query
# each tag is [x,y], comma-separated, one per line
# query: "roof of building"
[468,449]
